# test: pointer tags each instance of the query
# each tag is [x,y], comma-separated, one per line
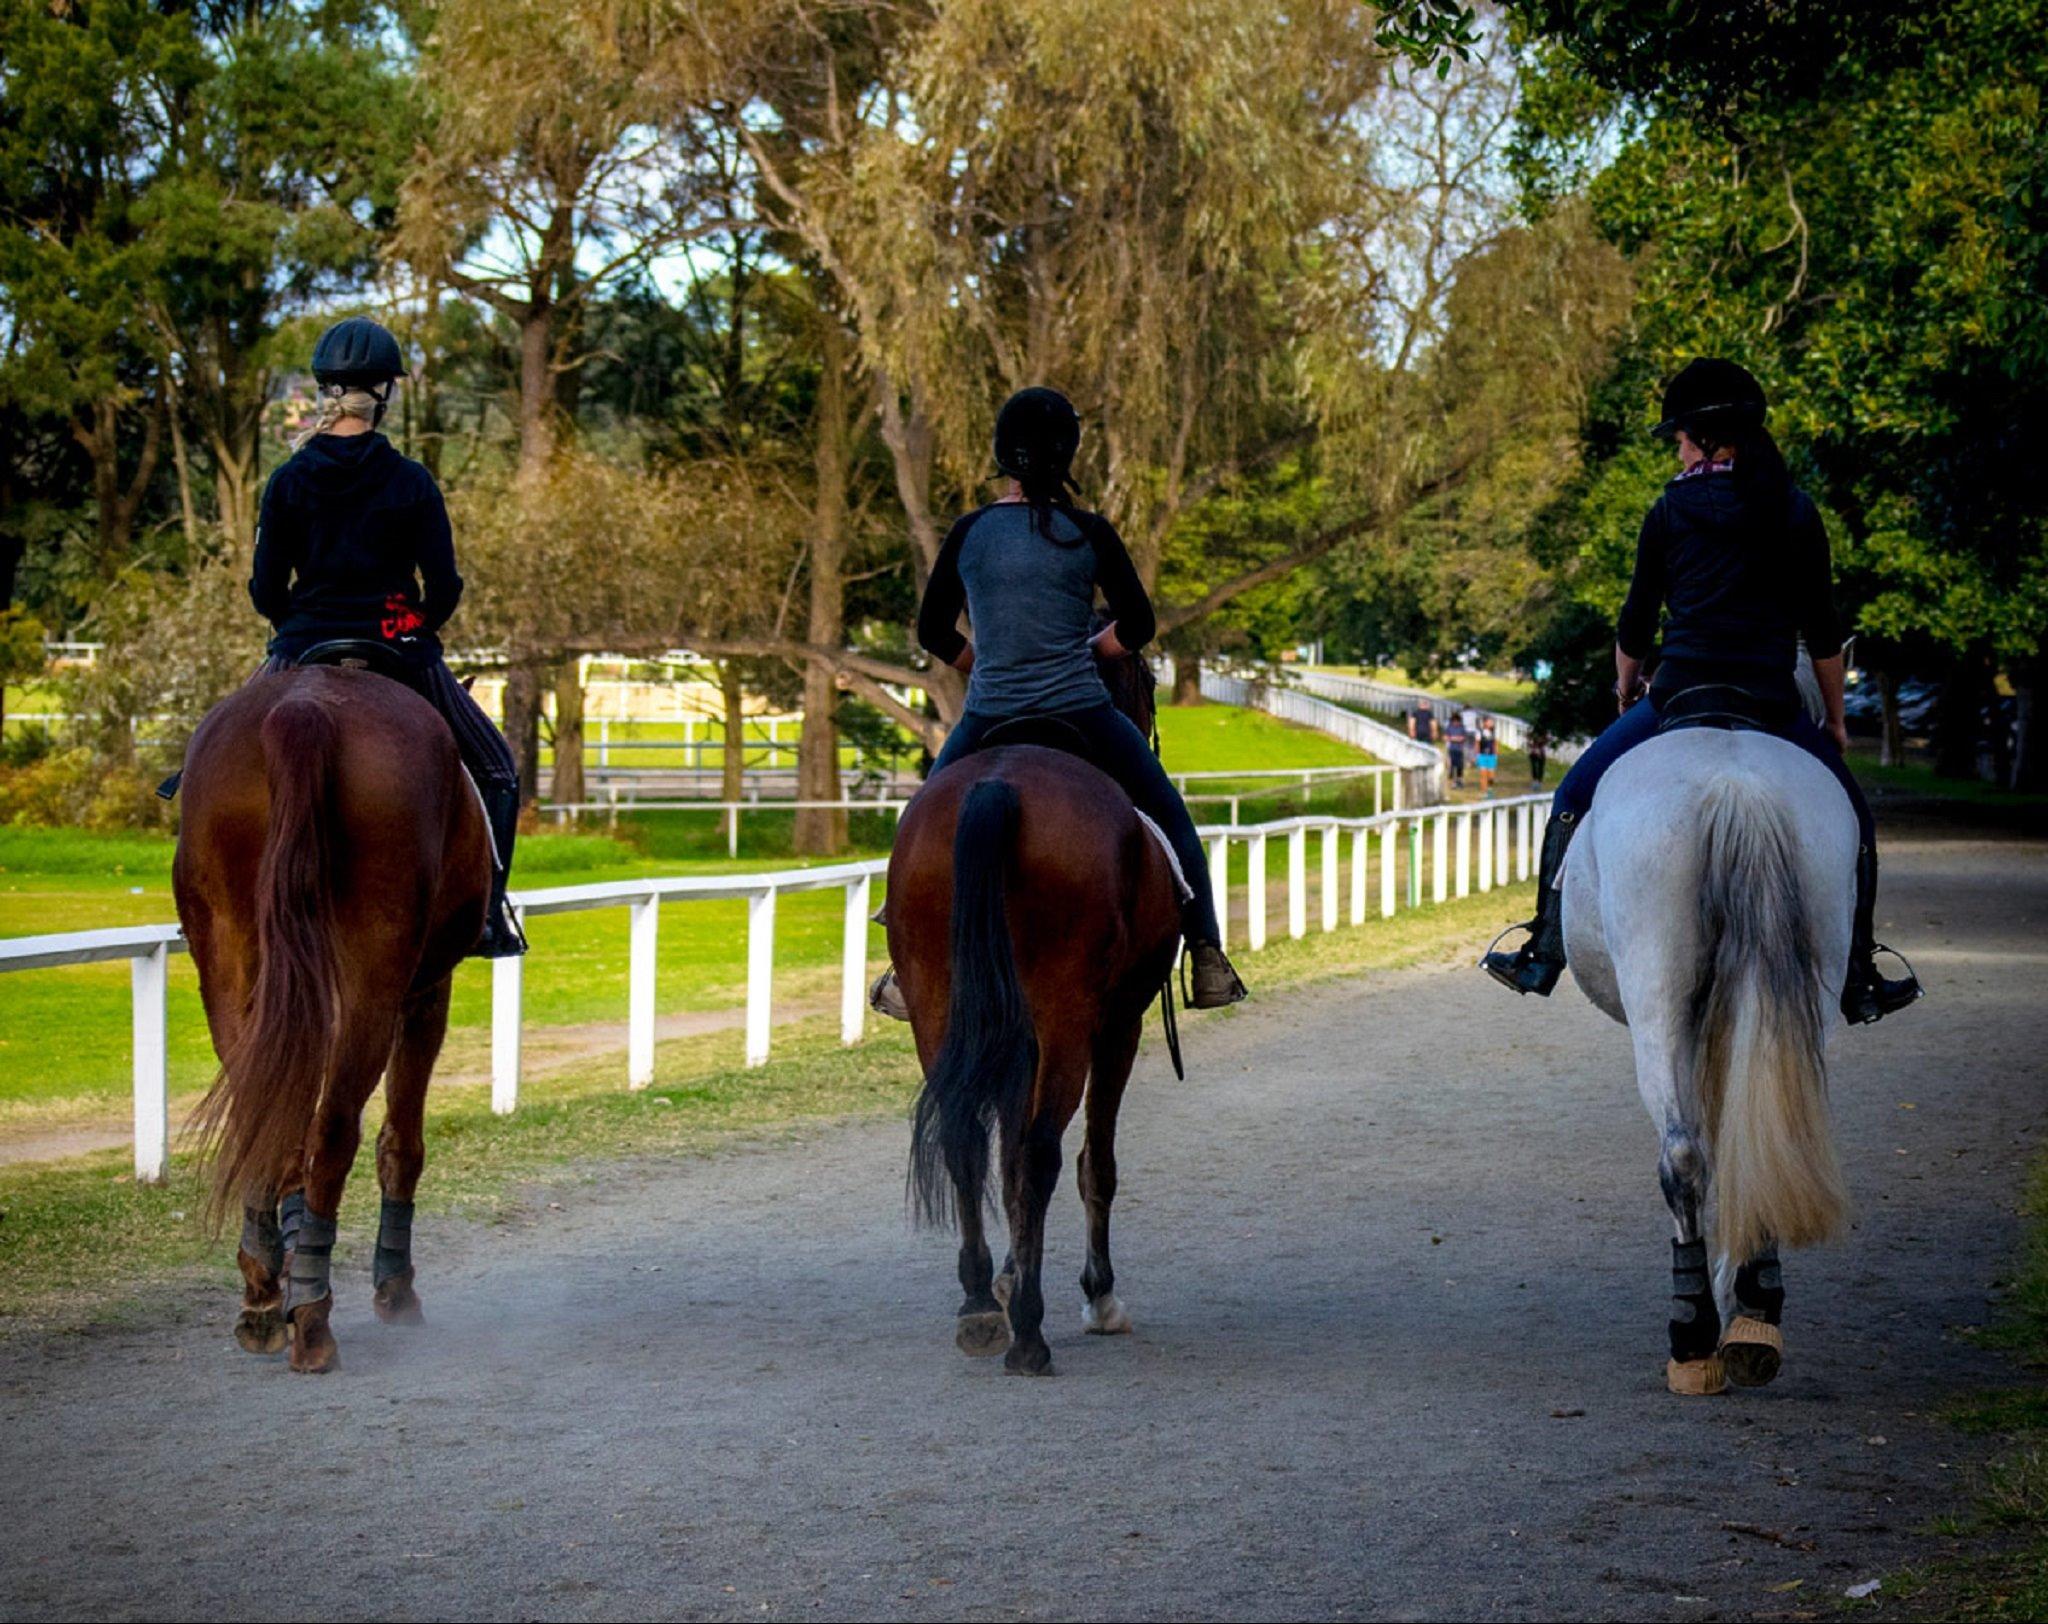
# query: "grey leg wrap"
[394,1241]
[262,1239]
[311,1258]
[1695,1321]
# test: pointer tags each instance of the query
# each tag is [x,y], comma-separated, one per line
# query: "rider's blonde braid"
[336,402]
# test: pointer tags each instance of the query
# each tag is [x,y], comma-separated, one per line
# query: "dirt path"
[1397,1260]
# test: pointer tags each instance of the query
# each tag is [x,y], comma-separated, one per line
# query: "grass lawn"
[64,1034]
[1487,690]
[85,1242]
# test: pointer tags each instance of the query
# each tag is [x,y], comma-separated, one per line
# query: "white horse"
[1707,904]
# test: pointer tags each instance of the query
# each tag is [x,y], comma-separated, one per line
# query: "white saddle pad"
[1181,889]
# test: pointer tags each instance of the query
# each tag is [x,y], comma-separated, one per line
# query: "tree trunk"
[821,831]
[522,726]
[1955,719]
[1187,679]
[114,503]
[1891,738]
[567,787]
[908,435]
[2030,754]
[536,388]
[733,757]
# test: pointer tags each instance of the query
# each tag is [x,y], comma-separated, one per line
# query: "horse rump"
[254,1120]
[981,1078]
[1759,1066]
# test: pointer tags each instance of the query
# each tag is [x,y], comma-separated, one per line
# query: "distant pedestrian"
[1488,760]
[1422,723]
[1456,737]
[1539,755]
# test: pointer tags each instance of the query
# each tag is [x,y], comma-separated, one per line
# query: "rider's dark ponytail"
[1760,472]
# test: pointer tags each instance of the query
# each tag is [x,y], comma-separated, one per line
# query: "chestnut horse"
[333,867]
[1032,920]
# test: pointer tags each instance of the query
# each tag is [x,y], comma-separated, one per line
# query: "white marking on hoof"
[1105,1316]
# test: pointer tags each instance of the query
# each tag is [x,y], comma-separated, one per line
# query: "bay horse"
[1707,904]
[1032,920]
[333,867]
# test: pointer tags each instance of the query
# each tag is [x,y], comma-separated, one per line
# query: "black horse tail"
[982,1076]
[256,1116]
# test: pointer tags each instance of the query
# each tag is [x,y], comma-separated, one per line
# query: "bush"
[77,788]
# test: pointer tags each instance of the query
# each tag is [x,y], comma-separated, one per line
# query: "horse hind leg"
[1104,1314]
[1695,1367]
[1753,1347]
[402,1151]
[983,1328]
[260,1327]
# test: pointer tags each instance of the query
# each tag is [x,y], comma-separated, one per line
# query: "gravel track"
[1397,1260]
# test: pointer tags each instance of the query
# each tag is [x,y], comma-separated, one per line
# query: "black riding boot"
[1866,995]
[1537,964]
[502,937]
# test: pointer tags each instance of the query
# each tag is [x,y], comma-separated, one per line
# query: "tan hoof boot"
[885,997]
[1213,982]
[1696,1378]
[1752,1351]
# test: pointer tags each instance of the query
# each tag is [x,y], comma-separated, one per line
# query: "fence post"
[645,923]
[1526,822]
[732,830]
[1485,821]
[1331,849]
[1361,857]
[1255,897]
[760,973]
[508,981]
[853,962]
[1440,854]
[148,983]
[1390,837]
[604,741]
[1500,846]
[1415,863]
[1219,884]
[1464,857]
[1378,781]
[1297,882]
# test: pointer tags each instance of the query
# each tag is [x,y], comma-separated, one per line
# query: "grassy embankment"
[80,1242]
[64,1033]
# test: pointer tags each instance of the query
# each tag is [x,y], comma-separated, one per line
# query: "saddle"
[1728,706]
[362,654]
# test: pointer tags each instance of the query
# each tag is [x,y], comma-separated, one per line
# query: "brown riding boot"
[1213,982]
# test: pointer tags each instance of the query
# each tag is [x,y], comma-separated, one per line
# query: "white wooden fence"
[1390,700]
[1459,849]
[1421,766]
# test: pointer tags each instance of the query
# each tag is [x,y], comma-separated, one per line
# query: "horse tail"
[1759,1072]
[981,1078]
[261,1107]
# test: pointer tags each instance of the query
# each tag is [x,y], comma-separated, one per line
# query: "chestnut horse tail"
[982,1076]
[261,1106]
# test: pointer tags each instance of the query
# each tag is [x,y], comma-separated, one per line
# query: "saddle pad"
[1182,890]
[490,834]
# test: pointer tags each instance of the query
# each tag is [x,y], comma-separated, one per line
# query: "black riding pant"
[1110,740]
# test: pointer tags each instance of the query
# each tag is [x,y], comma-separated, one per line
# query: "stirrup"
[1521,971]
[1235,993]
[1880,987]
[502,938]
[885,997]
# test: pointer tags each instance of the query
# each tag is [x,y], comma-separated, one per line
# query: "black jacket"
[354,542]
[1739,588]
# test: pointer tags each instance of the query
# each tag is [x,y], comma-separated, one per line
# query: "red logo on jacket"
[401,619]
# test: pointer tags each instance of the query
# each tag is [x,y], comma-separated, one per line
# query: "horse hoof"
[982,1336]
[1696,1378]
[1029,1359]
[1106,1316]
[261,1330]
[1752,1351]
[314,1350]
[1001,1287]
[397,1303]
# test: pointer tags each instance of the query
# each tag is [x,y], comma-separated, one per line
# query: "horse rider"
[1027,568]
[1736,558]
[353,543]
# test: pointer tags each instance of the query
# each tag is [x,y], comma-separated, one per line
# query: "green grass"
[64,1034]
[85,1243]
[1485,690]
[2000,1569]
[1920,781]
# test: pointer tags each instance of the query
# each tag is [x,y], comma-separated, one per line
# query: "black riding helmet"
[357,354]
[1037,433]
[1710,397]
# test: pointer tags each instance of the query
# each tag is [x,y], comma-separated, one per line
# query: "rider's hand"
[1838,730]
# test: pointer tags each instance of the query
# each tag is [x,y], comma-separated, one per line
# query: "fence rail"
[1391,700]
[1459,849]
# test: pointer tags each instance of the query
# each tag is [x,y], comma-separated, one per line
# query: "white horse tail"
[1759,1072]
